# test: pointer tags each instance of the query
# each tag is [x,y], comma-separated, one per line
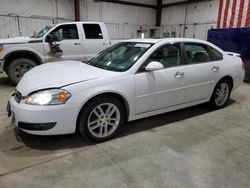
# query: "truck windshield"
[119,57]
[42,32]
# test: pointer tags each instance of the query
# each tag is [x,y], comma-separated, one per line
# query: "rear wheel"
[18,68]
[102,118]
[221,94]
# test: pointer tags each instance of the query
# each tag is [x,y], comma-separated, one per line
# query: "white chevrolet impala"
[127,81]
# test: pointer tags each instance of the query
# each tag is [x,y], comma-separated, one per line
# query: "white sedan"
[127,81]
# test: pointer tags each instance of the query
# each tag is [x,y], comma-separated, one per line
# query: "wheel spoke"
[113,119]
[96,113]
[105,130]
[95,126]
[100,110]
[223,87]
[112,124]
[220,99]
[100,131]
[111,112]
[217,92]
[93,122]
[108,109]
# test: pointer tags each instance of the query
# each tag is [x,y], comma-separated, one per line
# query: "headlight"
[48,97]
[1,47]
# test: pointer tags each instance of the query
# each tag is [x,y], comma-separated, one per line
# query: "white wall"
[32,15]
[201,16]
[122,21]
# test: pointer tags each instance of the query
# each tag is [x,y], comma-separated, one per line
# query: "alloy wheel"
[221,94]
[103,120]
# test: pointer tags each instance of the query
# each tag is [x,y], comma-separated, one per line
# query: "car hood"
[18,40]
[58,74]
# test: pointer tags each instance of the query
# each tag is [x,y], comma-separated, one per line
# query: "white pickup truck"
[65,41]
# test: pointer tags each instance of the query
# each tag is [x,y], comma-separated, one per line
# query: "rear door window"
[216,55]
[92,31]
[197,53]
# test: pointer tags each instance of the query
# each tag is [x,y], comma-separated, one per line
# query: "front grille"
[18,96]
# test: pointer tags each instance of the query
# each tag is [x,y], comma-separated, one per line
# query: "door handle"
[215,68]
[179,74]
[76,43]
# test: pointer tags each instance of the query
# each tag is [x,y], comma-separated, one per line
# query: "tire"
[18,67]
[220,96]
[102,118]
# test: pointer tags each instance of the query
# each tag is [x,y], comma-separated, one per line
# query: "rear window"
[92,31]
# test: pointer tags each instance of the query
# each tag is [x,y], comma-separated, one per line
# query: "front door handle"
[76,43]
[215,69]
[179,74]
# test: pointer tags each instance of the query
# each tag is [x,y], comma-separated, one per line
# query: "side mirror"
[154,65]
[49,38]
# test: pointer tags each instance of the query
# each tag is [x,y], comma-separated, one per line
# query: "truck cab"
[65,41]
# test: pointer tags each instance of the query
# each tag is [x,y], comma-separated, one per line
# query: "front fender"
[85,91]
[22,48]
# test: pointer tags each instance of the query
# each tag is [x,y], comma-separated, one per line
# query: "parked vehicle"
[65,41]
[127,81]
[234,40]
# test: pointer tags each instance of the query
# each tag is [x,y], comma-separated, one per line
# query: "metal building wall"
[24,17]
[200,17]
[123,21]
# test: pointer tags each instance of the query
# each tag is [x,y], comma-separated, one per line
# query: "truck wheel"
[18,68]
[102,118]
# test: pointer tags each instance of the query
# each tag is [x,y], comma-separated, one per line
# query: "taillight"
[242,64]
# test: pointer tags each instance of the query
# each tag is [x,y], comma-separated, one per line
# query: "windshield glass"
[42,32]
[120,57]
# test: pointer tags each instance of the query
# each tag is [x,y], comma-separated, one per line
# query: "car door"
[94,40]
[69,43]
[162,88]
[202,72]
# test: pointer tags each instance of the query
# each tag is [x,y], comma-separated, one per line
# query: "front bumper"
[1,65]
[44,120]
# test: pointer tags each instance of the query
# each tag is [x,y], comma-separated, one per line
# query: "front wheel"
[101,118]
[221,94]
[18,68]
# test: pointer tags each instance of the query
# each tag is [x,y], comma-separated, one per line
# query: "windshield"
[120,57]
[42,32]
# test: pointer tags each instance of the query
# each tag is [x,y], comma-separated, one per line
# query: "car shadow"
[167,119]
[76,141]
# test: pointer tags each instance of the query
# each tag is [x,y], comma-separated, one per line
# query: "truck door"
[63,43]
[95,40]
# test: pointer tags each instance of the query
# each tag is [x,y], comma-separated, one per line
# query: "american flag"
[233,14]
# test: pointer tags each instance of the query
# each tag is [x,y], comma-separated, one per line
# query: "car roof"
[149,40]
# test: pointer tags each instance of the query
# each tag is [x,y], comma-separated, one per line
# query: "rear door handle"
[179,74]
[215,69]
[76,43]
